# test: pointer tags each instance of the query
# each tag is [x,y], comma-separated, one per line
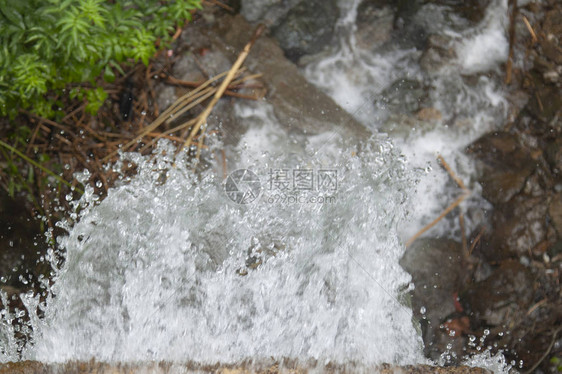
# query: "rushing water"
[467,91]
[167,270]
[169,267]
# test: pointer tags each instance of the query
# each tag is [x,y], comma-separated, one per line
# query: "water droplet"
[68,197]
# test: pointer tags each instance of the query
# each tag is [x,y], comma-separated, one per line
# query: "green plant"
[47,44]
[556,363]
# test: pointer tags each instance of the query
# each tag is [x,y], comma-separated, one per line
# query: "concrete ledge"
[93,367]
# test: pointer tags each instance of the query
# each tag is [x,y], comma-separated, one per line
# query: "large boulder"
[301,27]
[300,107]
[308,28]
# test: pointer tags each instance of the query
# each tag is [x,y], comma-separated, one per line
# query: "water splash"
[166,267]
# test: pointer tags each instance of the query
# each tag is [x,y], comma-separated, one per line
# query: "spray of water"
[168,267]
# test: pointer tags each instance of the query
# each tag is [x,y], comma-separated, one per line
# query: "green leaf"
[13,16]
[95,97]
[108,75]
[47,44]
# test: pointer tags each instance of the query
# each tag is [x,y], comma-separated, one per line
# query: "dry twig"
[530,28]
[447,210]
[229,77]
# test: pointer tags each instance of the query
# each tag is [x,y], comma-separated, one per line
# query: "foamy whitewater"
[355,79]
[154,272]
[169,267]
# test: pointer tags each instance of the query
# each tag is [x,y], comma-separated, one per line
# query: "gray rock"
[299,106]
[403,96]
[165,96]
[437,270]
[404,125]
[374,24]
[267,11]
[186,68]
[439,52]
[307,28]
[503,165]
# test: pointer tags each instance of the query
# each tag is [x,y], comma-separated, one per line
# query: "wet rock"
[408,32]
[546,102]
[302,27]
[439,52]
[429,114]
[186,68]
[503,165]
[405,125]
[519,226]
[375,22]
[472,11]
[551,49]
[403,96]
[165,95]
[267,11]
[555,212]
[437,273]
[307,28]
[299,106]
[502,297]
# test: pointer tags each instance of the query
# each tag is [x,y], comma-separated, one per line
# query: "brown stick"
[450,207]
[203,117]
[436,220]
[166,115]
[476,240]
[530,28]
[452,173]
[221,5]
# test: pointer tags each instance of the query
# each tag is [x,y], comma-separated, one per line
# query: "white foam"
[152,272]
[488,46]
